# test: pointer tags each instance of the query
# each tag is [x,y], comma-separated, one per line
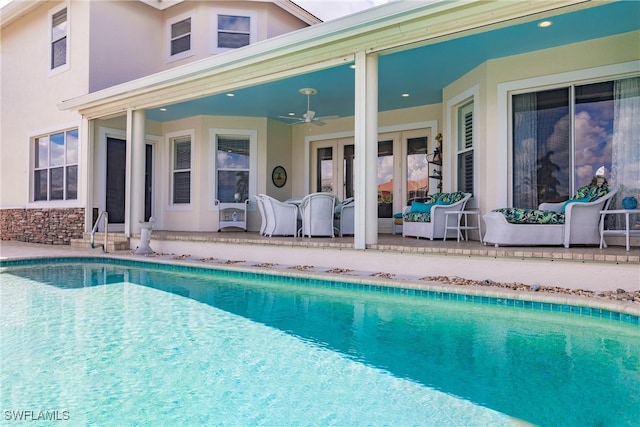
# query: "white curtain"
[625,164]
[525,150]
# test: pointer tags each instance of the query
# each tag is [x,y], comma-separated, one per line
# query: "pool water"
[118,345]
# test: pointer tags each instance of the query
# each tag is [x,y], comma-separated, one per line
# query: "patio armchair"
[263,215]
[281,218]
[574,222]
[428,219]
[317,214]
[344,217]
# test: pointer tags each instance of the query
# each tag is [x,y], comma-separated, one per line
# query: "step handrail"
[104,214]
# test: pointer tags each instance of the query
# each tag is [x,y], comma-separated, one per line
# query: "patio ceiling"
[420,71]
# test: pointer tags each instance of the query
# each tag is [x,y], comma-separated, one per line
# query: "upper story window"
[233,29]
[59,36]
[180,40]
[55,166]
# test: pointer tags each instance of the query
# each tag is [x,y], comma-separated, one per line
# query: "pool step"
[115,241]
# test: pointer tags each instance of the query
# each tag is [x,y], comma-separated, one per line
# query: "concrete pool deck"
[393,272]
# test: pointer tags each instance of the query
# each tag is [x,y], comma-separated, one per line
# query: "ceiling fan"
[310,115]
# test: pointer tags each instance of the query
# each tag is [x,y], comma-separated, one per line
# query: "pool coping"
[615,310]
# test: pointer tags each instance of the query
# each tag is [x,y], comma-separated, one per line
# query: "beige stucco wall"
[491,143]
[127,41]
[31,92]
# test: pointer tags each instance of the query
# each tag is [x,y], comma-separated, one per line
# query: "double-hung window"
[232,29]
[181,170]
[562,136]
[180,40]
[59,35]
[55,166]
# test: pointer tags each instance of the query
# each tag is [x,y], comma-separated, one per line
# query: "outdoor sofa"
[574,222]
[428,219]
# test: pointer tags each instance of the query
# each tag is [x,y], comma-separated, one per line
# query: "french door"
[402,168]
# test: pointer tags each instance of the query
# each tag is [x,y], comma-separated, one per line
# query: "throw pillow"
[418,207]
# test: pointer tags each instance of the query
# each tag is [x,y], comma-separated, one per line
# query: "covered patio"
[402,71]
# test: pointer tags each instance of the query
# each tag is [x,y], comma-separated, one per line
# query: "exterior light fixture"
[545,24]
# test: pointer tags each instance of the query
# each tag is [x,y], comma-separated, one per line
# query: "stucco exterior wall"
[31,92]
[127,41]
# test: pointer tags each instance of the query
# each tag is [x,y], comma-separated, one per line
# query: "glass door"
[327,173]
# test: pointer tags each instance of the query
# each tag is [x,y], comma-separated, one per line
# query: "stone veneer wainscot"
[49,226]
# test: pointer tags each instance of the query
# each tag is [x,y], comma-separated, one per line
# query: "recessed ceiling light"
[292,114]
[405,95]
[352,66]
[545,24]
[231,94]
[163,109]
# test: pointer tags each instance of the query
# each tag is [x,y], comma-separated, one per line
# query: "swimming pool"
[121,343]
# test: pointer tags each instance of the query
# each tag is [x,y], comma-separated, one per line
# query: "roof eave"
[385,27]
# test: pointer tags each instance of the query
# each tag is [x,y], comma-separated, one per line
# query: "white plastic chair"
[317,214]
[282,218]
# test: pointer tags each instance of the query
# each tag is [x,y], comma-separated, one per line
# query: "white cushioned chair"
[281,218]
[430,222]
[578,225]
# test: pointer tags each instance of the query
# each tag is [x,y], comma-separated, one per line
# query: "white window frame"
[64,202]
[252,135]
[505,90]
[253,27]
[171,139]
[65,66]
[191,50]
[450,174]
[462,150]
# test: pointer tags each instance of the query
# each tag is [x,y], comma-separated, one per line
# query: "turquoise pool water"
[111,344]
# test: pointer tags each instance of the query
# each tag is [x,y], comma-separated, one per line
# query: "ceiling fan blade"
[327,117]
[318,122]
[291,118]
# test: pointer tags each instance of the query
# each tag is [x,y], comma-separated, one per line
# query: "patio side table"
[462,223]
[627,228]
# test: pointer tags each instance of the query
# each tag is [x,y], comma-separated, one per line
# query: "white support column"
[366,150]
[86,178]
[134,191]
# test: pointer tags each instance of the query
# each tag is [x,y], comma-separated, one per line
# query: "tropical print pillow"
[531,216]
[592,192]
[447,198]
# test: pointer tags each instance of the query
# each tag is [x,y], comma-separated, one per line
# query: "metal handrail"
[104,214]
